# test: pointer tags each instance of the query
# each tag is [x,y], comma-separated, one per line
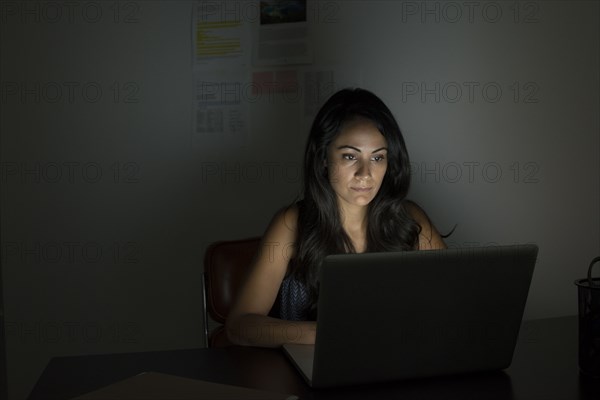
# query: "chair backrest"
[225,267]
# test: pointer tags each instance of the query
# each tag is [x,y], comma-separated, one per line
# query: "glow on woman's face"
[357,162]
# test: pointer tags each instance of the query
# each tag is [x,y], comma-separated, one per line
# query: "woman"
[356,177]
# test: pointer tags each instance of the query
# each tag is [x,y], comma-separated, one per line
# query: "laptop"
[401,315]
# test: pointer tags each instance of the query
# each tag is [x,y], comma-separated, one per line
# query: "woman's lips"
[361,189]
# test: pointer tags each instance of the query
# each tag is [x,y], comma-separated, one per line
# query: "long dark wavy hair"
[320,230]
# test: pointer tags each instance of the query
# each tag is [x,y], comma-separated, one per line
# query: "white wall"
[153,221]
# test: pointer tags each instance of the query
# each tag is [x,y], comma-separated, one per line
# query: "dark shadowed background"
[110,194]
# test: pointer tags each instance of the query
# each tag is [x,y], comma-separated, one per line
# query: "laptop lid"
[387,316]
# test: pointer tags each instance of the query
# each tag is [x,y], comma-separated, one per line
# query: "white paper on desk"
[157,386]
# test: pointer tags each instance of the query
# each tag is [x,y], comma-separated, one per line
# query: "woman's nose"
[363,170]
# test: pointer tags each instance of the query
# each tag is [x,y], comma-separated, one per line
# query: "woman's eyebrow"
[379,149]
[357,149]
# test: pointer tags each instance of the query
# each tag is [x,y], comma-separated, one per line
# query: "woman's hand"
[264,331]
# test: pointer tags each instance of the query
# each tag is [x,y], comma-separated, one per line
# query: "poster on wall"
[221,55]
[221,33]
[282,35]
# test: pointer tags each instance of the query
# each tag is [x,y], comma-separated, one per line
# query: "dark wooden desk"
[544,367]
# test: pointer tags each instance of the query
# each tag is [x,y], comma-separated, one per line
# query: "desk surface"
[544,367]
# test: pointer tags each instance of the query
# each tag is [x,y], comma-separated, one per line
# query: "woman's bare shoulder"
[284,222]
[429,237]
[416,212]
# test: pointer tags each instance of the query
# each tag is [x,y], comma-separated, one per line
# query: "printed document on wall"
[283,36]
[219,115]
[221,33]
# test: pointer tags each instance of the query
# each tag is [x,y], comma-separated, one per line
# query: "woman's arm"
[429,237]
[248,322]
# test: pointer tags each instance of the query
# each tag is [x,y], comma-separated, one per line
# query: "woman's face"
[356,162]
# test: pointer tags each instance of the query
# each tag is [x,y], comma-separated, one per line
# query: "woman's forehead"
[360,133]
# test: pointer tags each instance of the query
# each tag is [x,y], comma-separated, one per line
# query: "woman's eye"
[348,157]
[378,158]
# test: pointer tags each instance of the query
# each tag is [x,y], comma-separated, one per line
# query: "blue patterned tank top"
[293,300]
